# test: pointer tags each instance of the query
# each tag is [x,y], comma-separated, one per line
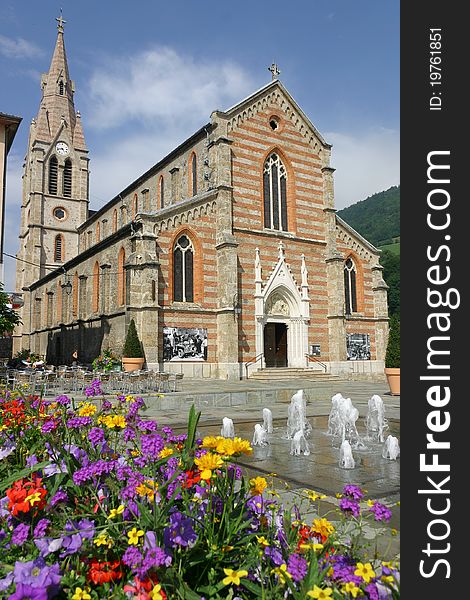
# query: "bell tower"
[55,175]
[55,178]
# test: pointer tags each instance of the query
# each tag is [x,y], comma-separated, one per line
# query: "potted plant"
[392,357]
[132,353]
[105,362]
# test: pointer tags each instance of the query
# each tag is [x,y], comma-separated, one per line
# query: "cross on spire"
[275,72]
[61,22]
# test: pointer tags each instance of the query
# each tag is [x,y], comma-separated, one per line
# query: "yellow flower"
[282,573]
[314,547]
[365,571]
[88,410]
[134,536]
[210,442]
[207,463]
[313,495]
[258,485]
[262,540]
[114,512]
[112,421]
[33,498]
[156,593]
[323,527]
[103,540]
[233,577]
[165,452]
[388,564]
[148,488]
[130,398]
[370,502]
[352,589]
[393,531]
[81,594]
[319,593]
[241,446]
[387,578]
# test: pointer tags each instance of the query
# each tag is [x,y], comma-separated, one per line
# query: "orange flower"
[104,572]
[26,494]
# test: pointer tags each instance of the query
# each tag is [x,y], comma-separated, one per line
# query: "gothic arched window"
[114,220]
[350,292]
[275,193]
[193,174]
[121,277]
[162,192]
[134,206]
[96,287]
[59,248]
[98,231]
[53,170]
[183,261]
[67,182]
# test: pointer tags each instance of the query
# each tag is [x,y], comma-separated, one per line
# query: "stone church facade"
[226,252]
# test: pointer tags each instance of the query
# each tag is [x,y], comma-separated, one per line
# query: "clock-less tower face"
[62,148]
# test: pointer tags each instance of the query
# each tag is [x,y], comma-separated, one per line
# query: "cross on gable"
[275,72]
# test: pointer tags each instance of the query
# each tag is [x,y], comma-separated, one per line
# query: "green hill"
[377,218]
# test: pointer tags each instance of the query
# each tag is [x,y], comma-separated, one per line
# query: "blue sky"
[149,73]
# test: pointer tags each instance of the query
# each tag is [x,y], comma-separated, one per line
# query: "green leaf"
[23,473]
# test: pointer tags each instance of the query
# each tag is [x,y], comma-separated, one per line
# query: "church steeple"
[57,104]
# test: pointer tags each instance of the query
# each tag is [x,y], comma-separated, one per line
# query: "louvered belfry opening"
[58,248]
[53,171]
[67,187]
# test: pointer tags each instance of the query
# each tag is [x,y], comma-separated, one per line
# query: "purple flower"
[348,506]
[353,491]
[47,546]
[28,592]
[37,574]
[151,445]
[297,567]
[275,555]
[96,436]
[372,592]
[180,531]
[41,528]
[20,534]
[59,496]
[94,389]
[132,557]
[63,400]
[381,512]
[8,449]
[79,422]
[48,426]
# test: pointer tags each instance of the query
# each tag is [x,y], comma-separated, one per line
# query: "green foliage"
[391,275]
[377,218]
[392,356]
[9,318]
[132,346]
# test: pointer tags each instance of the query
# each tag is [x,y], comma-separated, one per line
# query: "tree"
[391,275]
[9,318]
[132,346]
[392,356]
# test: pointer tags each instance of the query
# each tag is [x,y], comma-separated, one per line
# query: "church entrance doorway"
[275,345]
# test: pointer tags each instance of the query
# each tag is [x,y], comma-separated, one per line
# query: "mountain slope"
[377,218]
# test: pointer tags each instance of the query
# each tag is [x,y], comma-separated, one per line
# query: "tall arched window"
[61,87]
[53,170]
[96,287]
[162,192]
[67,182]
[75,296]
[114,220]
[134,206]
[193,174]
[275,193]
[183,260]
[59,248]
[350,293]
[98,232]
[121,277]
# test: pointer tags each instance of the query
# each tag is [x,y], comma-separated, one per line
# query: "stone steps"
[270,374]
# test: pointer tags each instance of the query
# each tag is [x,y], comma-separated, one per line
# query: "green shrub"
[392,356]
[132,346]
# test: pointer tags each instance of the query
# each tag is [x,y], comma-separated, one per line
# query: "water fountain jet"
[391,449]
[228,430]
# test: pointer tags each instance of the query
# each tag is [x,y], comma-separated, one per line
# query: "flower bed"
[101,503]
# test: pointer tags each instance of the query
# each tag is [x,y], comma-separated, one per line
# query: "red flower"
[25,495]
[104,572]
[142,587]
[192,478]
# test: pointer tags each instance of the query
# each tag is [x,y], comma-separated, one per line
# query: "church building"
[227,253]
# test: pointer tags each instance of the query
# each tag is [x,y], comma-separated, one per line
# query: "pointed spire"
[57,88]
[78,136]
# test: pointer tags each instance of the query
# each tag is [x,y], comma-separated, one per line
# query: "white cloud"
[160,85]
[18,48]
[365,163]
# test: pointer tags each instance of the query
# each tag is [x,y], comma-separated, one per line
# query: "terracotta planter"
[132,364]
[393,379]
